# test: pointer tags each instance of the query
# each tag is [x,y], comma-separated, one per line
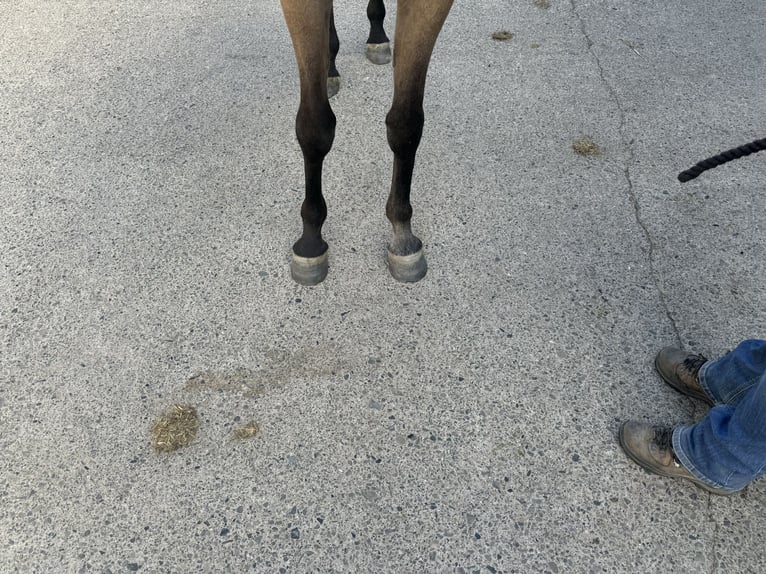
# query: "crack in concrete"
[714,543]
[656,276]
[628,146]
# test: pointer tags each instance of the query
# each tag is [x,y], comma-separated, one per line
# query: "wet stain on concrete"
[239,379]
[277,370]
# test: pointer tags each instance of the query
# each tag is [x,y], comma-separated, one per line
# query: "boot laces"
[693,363]
[663,438]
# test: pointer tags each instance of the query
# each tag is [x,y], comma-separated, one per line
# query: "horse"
[311,25]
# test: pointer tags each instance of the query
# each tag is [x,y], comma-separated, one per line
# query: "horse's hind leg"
[333,78]
[378,44]
[418,23]
[309,24]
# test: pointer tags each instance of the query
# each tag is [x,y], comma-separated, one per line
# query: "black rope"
[721,158]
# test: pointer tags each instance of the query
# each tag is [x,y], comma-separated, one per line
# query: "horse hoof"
[407,268]
[333,86]
[379,53]
[309,270]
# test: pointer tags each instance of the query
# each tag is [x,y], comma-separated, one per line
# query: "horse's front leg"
[418,23]
[309,24]
[378,44]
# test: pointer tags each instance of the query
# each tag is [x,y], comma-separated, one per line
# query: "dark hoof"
[407,268]
[379,53]
[309,270]
[333,86]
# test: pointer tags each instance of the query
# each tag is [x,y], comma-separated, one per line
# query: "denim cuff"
[677,440]
[702,378]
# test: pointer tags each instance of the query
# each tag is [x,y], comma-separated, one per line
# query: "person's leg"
[728,379]
[727,449]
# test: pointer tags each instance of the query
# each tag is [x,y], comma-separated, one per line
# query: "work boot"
[651,447]
[680,370]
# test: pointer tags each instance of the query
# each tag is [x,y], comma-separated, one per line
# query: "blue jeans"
[727,449]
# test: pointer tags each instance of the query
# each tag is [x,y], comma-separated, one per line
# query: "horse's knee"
[404,128]
[315,129]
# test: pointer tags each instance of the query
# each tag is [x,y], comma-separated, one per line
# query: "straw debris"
[502,35]
[175,429]
[250,430]
[586,147]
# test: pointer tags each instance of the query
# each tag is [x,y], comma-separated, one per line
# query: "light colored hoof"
[309,270]
[379,53]
[407,268]
[333,86]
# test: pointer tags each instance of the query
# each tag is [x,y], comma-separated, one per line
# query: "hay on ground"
[502,35]
[586,147]
[175,429]
[248,431]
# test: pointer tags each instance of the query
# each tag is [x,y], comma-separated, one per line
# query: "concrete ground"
[150,185]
